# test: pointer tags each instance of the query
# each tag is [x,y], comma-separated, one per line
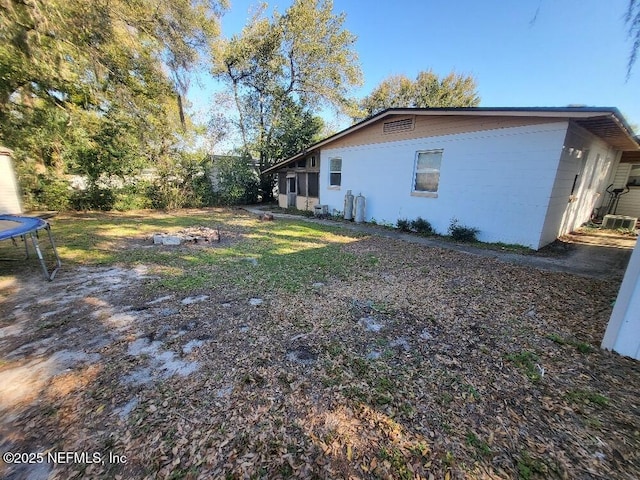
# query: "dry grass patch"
[365,358]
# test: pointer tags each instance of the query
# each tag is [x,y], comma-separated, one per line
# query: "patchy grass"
[530,467]
[583,396]
[481,447]
[582,347]
[282,255]
[527,362]
[504,247]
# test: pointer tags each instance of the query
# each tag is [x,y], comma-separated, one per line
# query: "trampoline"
[13,226]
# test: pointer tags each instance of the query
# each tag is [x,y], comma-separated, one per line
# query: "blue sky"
[521,52]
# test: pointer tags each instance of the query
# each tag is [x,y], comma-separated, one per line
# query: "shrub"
[462,233]
[181,181]
[132,197]
[238,181]
[52,193]
[420,225]
[165,195]
[203,191]
[94,198]
[403,225]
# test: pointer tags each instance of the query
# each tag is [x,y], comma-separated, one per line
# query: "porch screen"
[282,183]
[302,184]
[314,186]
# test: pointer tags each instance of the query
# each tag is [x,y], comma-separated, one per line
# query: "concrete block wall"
[496,180]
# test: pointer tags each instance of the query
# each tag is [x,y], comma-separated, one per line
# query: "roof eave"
[570,113]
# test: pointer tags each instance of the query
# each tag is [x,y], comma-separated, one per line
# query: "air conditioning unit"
[614,222]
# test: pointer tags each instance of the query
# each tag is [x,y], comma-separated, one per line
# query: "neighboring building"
[10,202]
[519,175]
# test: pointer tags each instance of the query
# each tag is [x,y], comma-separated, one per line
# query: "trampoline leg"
[26,246]
[36,247]
[55,252]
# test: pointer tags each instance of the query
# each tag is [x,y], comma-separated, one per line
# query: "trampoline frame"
[31,230]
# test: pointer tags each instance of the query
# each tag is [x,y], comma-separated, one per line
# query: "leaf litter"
[425,364]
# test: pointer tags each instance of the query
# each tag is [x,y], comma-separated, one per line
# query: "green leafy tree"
[305,56]
[238,180]
[94,87]
[182,183]
[297,129]
[427,90]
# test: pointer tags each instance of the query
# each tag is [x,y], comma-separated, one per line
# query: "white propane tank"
[348,206]
[360,205]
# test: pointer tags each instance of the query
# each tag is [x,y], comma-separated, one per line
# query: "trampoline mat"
[12,226]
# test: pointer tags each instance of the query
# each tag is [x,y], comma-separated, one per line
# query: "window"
[314,185]
[301,163]
[335,172]
[312,162]
[282,183]
[427,171]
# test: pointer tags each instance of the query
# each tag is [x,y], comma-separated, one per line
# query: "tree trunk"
[266,181]
[181,110]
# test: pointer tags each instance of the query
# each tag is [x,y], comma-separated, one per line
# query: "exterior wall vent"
[613,222]
[396,126]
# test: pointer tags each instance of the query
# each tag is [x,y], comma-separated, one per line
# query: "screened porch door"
[291,192]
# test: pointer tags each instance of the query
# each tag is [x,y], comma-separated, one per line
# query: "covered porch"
[299,183]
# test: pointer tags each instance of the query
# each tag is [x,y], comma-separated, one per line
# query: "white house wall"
[621,175]
[9,192]
[623,330]
[588,157]
[630,203]
[498,181]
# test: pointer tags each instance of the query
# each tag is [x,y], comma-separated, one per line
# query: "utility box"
[10,202]
[320,210]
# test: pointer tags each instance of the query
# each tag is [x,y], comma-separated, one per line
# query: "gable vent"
[395,126]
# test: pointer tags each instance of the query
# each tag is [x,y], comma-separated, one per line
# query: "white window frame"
[331,172]
[425,193]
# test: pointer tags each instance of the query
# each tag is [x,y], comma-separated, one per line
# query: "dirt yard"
[292,350]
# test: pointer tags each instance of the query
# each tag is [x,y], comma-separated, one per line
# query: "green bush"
[462,233]
[422,226]
[403,225]
[94,198]
[132,197]
[203,191]
[165,195]
[52,193]
[182,182]
[238,181]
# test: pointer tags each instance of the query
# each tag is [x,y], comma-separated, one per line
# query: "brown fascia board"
[548,112]
[630,157]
